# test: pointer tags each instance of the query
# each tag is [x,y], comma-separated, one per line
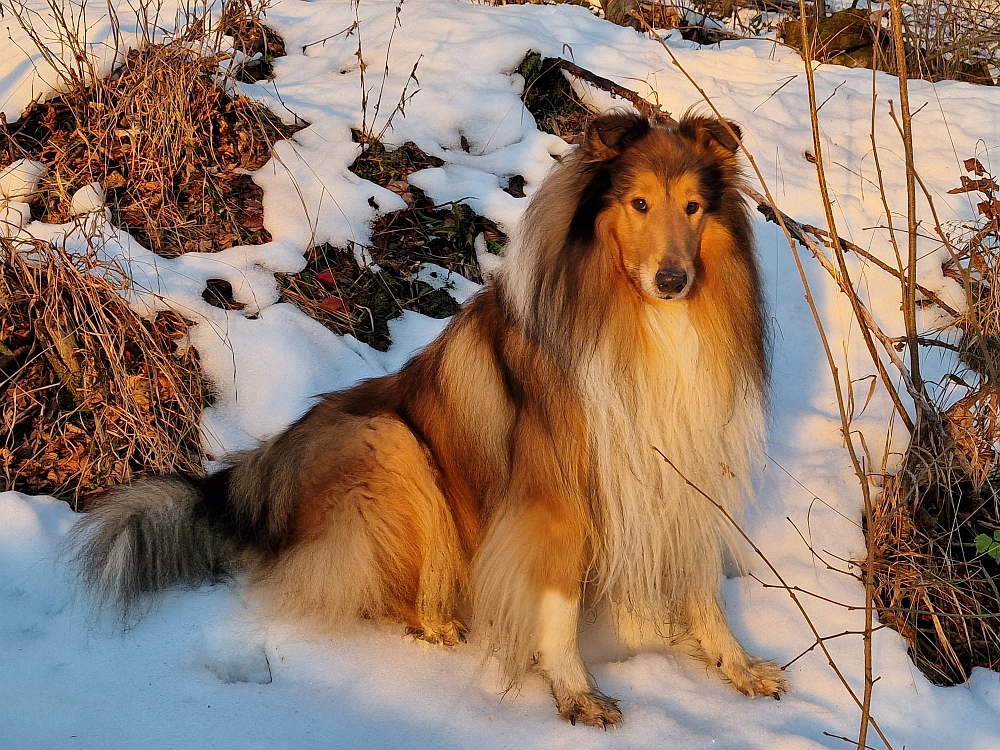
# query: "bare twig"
[882,265]
[909,302]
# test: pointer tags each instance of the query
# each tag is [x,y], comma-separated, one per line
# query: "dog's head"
[651,193]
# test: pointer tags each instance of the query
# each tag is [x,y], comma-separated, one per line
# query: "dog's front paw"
[593,708]
[755,677]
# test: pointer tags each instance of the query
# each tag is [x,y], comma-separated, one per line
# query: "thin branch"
[802,235]
[847,740]
[848,607]
[865,320]
[828,638]
[848,245]
[909,303]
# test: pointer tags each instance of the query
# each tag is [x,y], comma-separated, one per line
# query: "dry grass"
[932,584]
[167,141]
[90,393]
[258,44]
[951,40]
[954,39]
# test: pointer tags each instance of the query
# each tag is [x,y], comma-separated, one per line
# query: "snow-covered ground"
[203,670]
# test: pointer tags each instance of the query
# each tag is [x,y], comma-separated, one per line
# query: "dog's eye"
[639,204]
[692,208]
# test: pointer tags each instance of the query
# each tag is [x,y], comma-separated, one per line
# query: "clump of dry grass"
[258,44]
[90,393]
[932,583]
[168,140]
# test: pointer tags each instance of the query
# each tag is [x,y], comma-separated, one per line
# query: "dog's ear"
[611,134]
[712,132]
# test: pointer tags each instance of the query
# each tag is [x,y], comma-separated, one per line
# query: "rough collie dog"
[515,464]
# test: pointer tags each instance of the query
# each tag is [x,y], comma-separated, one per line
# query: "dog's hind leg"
[708,626]
[442,574]
[374,537]
[413,531]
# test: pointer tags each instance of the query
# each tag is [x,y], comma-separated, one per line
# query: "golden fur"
[513,463]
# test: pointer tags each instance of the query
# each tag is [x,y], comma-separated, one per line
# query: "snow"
[88,199]
[459,287]
[205,670]
[19,179]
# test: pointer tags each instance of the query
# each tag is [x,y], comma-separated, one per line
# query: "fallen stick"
[645,108]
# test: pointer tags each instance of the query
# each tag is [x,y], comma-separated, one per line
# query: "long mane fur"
[687,379]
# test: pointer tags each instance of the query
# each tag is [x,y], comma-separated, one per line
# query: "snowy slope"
[203,670]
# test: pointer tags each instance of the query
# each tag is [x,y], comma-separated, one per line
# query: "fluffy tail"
[173,531]
[148,537]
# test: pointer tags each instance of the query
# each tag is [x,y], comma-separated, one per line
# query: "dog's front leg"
[748,674]
[528,574]
[527,580]
[559,661]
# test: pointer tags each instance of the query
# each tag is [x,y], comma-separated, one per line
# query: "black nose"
[671,282]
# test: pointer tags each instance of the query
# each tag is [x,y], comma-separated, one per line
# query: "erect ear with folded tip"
[711,131]
[611,134]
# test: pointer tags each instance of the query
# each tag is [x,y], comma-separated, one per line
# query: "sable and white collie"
[514,464]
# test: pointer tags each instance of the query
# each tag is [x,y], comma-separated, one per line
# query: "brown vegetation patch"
[931,583]
[166,141]
[90,393]
[348,298]
[258,44]
[390,169]
[933,528]
[550,99]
